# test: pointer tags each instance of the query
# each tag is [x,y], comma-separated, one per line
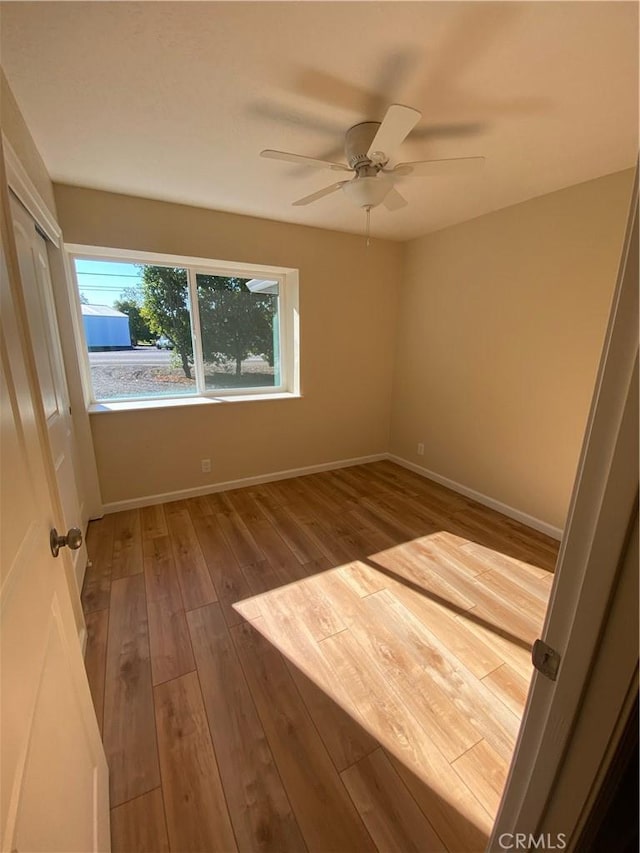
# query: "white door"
[53,771]
[41,317]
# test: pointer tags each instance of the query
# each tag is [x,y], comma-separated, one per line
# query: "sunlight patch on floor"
[426,645]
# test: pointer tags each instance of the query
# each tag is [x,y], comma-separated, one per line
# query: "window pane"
[239,320]
[138,329]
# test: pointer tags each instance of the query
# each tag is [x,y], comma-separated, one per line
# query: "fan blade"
[457,129]
[394,200]
[426,168]
[315,196]
[397,124]
[308,161]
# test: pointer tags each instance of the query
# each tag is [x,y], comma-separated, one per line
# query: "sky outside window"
[103,282]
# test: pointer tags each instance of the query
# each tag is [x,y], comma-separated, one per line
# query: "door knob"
[72,540]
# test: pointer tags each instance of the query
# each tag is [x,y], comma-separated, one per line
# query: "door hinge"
[545,659]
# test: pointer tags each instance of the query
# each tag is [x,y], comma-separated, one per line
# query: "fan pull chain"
[368,231]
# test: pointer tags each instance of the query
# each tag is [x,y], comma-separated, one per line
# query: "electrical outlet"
[420,449]
[205,464]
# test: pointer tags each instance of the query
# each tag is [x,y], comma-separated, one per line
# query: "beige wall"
[19,136]
[348,296]
[501,324]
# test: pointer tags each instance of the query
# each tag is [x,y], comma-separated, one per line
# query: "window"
[163,327]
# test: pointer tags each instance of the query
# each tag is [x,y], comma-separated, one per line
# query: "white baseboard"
[150,500]
[523,517]
[518,515]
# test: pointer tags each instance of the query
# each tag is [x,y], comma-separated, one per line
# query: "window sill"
[176,402]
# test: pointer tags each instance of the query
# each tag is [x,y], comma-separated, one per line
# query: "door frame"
[590,570]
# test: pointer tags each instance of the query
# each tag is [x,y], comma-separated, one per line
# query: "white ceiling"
[175,100]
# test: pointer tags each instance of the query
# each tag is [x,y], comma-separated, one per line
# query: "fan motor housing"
[357,142]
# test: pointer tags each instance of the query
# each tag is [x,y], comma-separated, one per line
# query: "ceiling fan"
[369,147]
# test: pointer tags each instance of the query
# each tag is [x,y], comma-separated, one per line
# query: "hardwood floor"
[337,662]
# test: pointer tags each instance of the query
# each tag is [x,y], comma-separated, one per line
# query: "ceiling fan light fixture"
[369,191]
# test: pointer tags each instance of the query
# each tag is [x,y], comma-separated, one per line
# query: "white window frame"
[288,317]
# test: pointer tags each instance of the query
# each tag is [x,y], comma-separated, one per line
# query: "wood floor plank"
[415,487]
[323,808]
[437,501]
[413,560]
[129,731]
[364,482]
[509,686]
[369,521]
[303,548]
[139,825]
[452,809]
[400,658]
[320,501]
[242,501]
[153,521]
[320,534]
[96,588]
[401,479]
[529,575]
[409,563]
[419,489]
[534,542]
[362,578]
[417,516]
[428,510]
[506,620]
[512,649]
[169,642]
[262,577]
[218,503]
[281,557]
[345,740]
[271,494]
[445,548]
[95,658]
[507,536]
[127,544]
[229,580]
[293,495]
[388,810]
[240,539]
[515,594]
[195,582]
[199,506]
[175,507]
[337,493]
[285,626]
[307,603]
[195,806]
[479,657]
[260,812]
[360,545]
[496,723]
[485,772]
[398,526]
[319,504]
